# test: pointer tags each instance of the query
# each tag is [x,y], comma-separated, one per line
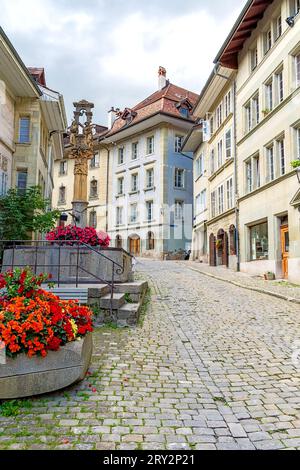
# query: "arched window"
[232,240]
[94,188]
[119,242]
[150,241]
[93,219]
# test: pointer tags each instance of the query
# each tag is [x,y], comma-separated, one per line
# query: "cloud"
[109,51]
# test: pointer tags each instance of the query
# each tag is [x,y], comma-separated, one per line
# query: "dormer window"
[184,112]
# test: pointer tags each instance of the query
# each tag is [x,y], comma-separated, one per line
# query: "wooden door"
[285,248]
[212,250]
[135,245]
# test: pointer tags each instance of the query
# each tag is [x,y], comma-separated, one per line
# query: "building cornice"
[220,217]
[267,186]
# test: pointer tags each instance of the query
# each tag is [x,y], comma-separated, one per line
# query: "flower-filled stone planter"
[24,377]
[45,342]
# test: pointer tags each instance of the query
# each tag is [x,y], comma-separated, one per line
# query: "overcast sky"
[109,51]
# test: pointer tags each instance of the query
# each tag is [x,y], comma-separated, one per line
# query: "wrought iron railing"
[35,265]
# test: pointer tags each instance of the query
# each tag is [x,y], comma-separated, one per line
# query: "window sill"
[62,174]
[149,189]
[132,193]
[92,198]
[118,196]
[179,189]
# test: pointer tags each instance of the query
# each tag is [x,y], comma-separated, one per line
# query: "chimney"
[162,78]
[112,115]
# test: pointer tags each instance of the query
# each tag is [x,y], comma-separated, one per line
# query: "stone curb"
[255,289]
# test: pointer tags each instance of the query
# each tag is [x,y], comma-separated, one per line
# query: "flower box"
[24,377]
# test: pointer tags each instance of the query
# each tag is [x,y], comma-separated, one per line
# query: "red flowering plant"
[70,235]
[34,321]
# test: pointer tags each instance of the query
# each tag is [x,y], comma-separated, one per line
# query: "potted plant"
[295,163]
[266,111]
[269,276]
[47,340]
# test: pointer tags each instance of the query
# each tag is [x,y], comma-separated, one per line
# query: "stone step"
[128,315]
[71,293]
[131,287]
[129,309]
[118,301]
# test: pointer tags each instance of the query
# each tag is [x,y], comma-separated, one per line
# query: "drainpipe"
[236,186]
[107,180]
[236,190]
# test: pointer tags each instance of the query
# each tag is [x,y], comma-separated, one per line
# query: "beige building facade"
[262,54]
[97,186]
[33,120]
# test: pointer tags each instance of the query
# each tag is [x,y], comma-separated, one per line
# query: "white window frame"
[221,199]
[149,211]
[269,94]
[253,58]
[280,154]
[179,181]
[24,130]
[121,186]
[150,145]
[178,209]
[271,167]
[134,151]
[150,178]
[178,142]
[228,144]
[220,153]
[121,153]
[134,182]
[230,193]
[133,213]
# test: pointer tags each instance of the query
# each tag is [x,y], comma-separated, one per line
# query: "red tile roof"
[251,14]
[38,75]
[165,101]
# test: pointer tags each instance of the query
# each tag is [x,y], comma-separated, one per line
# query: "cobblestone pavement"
[278,287]
[210,368]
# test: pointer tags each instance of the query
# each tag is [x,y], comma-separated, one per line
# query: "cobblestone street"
[211,368]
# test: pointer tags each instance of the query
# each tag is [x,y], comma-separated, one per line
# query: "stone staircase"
[126,302]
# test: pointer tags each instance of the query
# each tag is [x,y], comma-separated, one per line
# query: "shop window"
[259,244]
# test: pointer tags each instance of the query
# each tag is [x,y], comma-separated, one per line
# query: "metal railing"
[35,265]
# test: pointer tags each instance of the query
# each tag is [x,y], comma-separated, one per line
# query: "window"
[267,40]
[212,161]
[228,141]
[63,168]
[150,241]
[277,28]
[201,204]
[253,58]
[93,219]
[259,246]
[279,86]
[150,178]
[149,211]
[248,116]
[255,110]
[213,204]
[200,166]
[62,195]
[119,215]
[256,171]
[21,181]
[179,178]
[228,104]
[94,189]
[135,151]
[179,210]
[298,143]
[24,130]
[219,114]
[121,156]
[120,186]
[178,143]
[184,112]
[150,145]
[270,163]
[133,213]
[134,183]
[295,7]
[220,153]
[269,95]
[221,199]
[281,156]
[3,176]
[297,66]
[211,121]
[229,193]
[95,161]
[249,181]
